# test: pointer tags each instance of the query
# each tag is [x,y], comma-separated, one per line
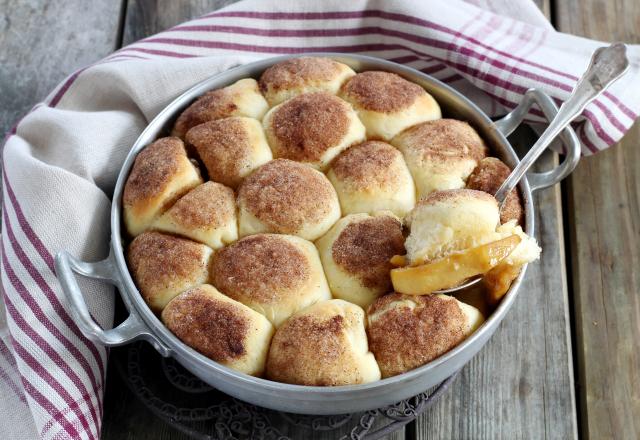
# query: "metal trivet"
[202,412]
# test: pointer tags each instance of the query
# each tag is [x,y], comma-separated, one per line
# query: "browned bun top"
[382,92]
[403,337]
[367,164]
[296,72]
[455,195]
[215,104]
[154,257]
[365,247]
[445,139]
[153,169]
[490,173]
[217,329]
[322,345]
[223,145]
[263,267]
[306,126]
[285,195]
[209,205]
[327,342]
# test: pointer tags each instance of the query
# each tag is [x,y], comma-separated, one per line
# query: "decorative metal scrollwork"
[184,401]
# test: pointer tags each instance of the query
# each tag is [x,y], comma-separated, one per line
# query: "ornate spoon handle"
[607,65]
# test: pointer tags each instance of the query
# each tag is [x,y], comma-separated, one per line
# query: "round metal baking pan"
[142,323]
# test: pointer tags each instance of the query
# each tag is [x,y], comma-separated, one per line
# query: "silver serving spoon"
[606,66]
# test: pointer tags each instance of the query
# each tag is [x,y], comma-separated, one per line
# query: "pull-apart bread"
[206,214]
[387,103]
[302,225]
[455,220]
[287,197]
[370,177]
[355,254]
[312,128]
[277,275]
[440,154]
[230,148]
[220,328]
[325,344]
[164,266]
[296,76]
[487,177]
[407,331]
[242,98]
[161,174]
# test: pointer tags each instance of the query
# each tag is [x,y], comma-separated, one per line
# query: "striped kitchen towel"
[61,160]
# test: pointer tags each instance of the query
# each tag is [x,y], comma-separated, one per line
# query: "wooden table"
[565,362]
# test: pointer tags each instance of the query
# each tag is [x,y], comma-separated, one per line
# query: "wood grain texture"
[603,212]
[520,386]
[41,42]
[147,17]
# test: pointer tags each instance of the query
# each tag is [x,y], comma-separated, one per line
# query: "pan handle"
[511,121]
[132,329]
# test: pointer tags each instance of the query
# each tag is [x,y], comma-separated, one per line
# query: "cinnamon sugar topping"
[215,328]
[364,248]
[403,337]
[209,205]
[490,173]
[383,92]
[445,139]
[215,104]
[153,169]
[157,259]
[298,71]
[262,267]
[285,195]
[306,126]
[224,148]
[367,164]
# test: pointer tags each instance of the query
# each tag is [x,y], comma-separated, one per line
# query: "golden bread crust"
[364,249]
[383,92]
[297,72]
[209,205]
[323,345]
[444,140]
[407,331]
[490,173]
[217,329]
[305,127]
[285,195]
[243,98]
[367,165]
[163,266]
[230,148]
[263,267]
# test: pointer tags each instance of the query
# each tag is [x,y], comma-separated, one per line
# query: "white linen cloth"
[61,160]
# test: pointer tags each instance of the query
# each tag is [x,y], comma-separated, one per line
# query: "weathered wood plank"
[603,209]
[42,41]
[125,417]
[147,17]
[521,384]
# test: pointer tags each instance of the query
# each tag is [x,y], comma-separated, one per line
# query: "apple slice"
[498,280]
[453,269]
[398,260]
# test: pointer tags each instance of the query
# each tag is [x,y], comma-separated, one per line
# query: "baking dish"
[143,324]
